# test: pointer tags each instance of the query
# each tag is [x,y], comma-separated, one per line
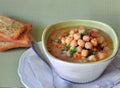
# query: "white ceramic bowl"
[80,72]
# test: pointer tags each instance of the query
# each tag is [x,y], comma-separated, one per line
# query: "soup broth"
[80,44]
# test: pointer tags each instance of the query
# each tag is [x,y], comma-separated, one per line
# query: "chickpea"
[76,30]
[72,32]
[95,30]
[86,38]
[94,42]
[92,58]
[77,36]
[72,47]
[106,49]
[81,43]
[100,39]
[79,49]
[88,45]
[94,33]
[101,55]
[104,43]
[68,40]
[71,35]
[81,30]
[68,53]
[63,40]
[84,52]
[73,43]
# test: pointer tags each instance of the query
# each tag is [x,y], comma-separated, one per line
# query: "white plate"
[25,76]
[112,74]
[22,65]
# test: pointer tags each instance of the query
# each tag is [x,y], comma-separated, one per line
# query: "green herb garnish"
[73,51]
[95,52]
[85,32]
[66,34]
[66,47]
[101,47]
[92,52]
[57,41]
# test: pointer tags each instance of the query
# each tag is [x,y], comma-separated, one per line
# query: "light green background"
[41,13]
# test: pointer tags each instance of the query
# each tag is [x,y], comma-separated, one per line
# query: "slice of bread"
[22,39]
[16,44]
[14,34]
[10,45]
[10,28]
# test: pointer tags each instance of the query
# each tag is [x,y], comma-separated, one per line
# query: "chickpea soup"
[80,44]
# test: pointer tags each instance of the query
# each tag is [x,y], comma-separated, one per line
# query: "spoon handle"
[37,50]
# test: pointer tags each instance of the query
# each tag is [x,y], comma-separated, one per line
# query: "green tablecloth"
[41,13]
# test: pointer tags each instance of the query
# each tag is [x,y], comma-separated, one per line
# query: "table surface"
[41,13]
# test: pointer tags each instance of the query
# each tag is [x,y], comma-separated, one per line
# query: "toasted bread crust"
[10,45]
[10,28]
[22,39]
[14,34]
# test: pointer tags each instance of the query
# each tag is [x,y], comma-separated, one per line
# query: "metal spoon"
[35,47]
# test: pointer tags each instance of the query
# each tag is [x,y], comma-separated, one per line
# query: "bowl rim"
[79,20]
